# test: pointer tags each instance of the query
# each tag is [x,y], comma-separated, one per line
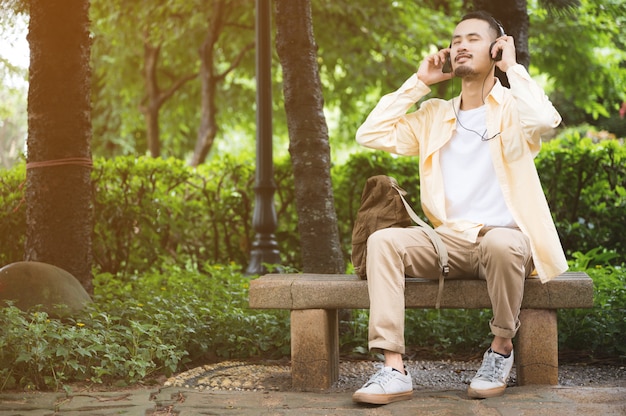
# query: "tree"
[189,51]
[155,96]
[382,43]
[584,52]
[211,75]
[58,185]
[566,33]
[308,138]
[140,70]
[12,123]
[513,15]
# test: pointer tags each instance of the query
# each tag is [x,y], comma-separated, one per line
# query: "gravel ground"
[427,375]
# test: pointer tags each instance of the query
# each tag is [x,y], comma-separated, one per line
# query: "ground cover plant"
[140,327]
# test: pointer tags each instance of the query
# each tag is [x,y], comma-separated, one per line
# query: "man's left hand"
[506,44]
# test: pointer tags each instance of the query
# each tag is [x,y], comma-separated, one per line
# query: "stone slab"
[535,400]
[340,291]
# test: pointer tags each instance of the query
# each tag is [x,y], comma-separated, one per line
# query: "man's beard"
[464,71]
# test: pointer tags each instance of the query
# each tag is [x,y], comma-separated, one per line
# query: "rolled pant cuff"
[386,345]
[503,332]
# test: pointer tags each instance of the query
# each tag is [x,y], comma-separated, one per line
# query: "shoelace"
[381,377]
[492,368]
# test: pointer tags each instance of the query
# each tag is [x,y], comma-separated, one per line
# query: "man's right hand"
[430,70]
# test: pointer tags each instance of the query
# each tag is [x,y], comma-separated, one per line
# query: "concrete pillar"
[314,348]
[537,350]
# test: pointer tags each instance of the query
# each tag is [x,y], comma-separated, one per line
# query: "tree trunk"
[208,79]
[155,97]
[208,118]
[151,109]
[211,77]
[58,186]
[308,138]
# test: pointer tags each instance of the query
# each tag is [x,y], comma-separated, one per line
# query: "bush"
[13,214]
[601,331]
[152,212]
[584,179]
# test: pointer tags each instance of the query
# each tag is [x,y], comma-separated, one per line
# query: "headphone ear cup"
[447,65]
[498,55]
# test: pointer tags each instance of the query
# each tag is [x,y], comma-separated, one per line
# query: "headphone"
[447,65]
[447,68]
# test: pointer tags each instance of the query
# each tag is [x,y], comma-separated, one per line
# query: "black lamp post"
[264,247]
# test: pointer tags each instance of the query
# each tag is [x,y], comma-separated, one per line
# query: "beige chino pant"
[501,256]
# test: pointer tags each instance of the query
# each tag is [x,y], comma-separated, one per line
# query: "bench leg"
[314,348]
[537,350]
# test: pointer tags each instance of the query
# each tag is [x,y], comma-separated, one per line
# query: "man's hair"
[483,15]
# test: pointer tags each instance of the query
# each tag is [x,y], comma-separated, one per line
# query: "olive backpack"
[383,205]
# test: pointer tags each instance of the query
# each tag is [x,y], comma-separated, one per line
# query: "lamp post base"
[264,251]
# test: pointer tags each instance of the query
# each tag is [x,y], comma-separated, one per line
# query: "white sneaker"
[492,376]
[386,386]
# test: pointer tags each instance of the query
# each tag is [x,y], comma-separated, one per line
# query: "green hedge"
[584,178]
[151,211]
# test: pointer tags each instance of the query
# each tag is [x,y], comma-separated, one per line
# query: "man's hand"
[430,70]
[506,44]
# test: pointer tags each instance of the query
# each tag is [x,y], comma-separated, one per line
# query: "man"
[479,189]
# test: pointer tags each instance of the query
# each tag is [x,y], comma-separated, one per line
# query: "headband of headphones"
[500,27]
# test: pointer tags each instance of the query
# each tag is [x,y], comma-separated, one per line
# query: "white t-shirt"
[471,188]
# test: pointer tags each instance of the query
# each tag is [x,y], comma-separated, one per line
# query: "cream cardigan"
[517,117]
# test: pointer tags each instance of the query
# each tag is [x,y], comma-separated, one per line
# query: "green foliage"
[382,42]
[138,328]
[391,36]
[39,352]
[13,84]
[600,331]
[122,29]
[13,214]
[598,28]
[159,307]
[151,211]
[584,178]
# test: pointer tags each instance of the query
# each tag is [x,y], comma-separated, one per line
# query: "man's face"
[470,48]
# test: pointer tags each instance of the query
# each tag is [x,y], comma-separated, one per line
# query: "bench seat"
[314,300]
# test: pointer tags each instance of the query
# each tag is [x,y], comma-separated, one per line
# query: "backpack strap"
[440,248]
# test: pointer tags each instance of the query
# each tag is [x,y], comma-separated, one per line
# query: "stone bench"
[314,300]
